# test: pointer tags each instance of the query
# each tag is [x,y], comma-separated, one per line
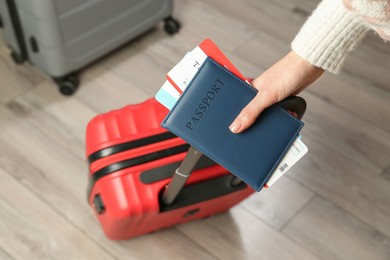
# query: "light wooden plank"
[306,5]
[103,90]
[199,20]
[266,16]
[239,235]
[11,84]
[204,20]
[372,40]
[277,204]
[333,233]
[361,99]
[164,244]
[379,65]
[357,139]
[145,71]
[263,50]
[15,79]
[63,119]
[53,173]
[349,184]
[386,173]
[4,255]
[32,230]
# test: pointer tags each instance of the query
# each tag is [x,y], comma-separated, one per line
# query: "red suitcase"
[131,161]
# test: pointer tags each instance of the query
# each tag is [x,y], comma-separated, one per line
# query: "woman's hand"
[287,77]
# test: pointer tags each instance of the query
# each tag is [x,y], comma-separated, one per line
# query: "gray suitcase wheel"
[17,58]
[67,84]
[171,26]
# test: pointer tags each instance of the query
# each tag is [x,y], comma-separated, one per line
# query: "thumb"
[249,113]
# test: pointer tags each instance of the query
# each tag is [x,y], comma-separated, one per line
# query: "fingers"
[249,114]
[288,76]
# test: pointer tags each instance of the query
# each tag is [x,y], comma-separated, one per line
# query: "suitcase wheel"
[68,84]
[98,204]
[17,57]
[171,26]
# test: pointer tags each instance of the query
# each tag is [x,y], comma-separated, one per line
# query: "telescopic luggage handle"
[294,104]
[181,175]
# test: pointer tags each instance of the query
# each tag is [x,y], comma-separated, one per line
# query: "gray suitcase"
[62,36]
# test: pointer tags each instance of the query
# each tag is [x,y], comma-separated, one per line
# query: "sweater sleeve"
[328,35]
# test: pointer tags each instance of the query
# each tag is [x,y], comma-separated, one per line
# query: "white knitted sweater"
[336,26]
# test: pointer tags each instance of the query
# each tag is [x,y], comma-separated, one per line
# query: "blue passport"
[202,116]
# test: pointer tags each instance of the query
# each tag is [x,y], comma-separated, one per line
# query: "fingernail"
[234,127]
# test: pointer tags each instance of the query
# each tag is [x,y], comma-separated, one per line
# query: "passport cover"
[202,116]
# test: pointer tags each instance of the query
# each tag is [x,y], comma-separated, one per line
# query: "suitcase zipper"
[139,160]
[129,145]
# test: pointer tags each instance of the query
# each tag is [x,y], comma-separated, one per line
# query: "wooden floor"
[334,204]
